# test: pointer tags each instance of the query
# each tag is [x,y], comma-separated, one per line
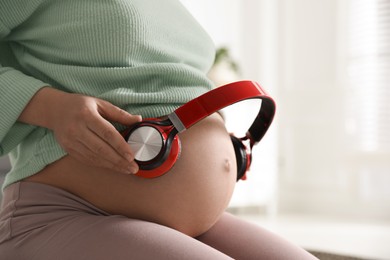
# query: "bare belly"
[190,197]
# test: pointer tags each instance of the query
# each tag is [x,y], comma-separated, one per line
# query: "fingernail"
[135,170]
[132,169]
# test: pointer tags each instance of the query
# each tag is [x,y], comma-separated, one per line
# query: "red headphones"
[156,144]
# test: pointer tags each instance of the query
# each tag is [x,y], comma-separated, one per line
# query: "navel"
[227,165]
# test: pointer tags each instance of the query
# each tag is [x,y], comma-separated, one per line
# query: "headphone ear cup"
[156,146]
[241,156]
[164,164]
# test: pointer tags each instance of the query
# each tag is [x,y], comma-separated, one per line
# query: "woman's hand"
[83,130]
[81,126]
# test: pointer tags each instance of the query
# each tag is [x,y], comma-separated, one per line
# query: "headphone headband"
[197,109]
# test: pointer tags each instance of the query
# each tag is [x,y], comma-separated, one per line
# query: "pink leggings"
[40,222]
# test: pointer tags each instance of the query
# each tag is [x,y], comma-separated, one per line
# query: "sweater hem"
[35,164]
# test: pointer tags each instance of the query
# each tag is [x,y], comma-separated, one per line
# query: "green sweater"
[145,56]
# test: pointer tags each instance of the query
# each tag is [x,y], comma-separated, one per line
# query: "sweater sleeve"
[16,90]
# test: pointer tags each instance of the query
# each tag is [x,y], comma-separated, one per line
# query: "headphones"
[156,144]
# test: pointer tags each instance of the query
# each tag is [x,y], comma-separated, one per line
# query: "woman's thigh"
[102,238]
[244,240]
[40,222]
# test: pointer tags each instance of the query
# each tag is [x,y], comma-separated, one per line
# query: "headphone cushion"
[241,156]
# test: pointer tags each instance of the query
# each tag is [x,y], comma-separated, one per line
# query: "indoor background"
[321,175]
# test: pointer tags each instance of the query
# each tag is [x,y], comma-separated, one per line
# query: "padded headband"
[197,109]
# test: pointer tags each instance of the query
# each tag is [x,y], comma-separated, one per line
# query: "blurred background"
[321,175]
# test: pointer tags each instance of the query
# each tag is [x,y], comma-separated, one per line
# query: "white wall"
[322,170]
[311,105]
[237,24]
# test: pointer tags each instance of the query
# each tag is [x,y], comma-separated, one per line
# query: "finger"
[115,114]
[107,132]
[82,153]
[101,149]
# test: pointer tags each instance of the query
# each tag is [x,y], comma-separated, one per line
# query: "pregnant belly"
[190,197]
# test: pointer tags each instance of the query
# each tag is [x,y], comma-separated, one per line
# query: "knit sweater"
[145,56]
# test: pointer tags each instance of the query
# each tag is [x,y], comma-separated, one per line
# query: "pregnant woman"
[73,75]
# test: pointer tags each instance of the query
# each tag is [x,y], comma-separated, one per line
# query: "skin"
[81,127]
[190,198]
